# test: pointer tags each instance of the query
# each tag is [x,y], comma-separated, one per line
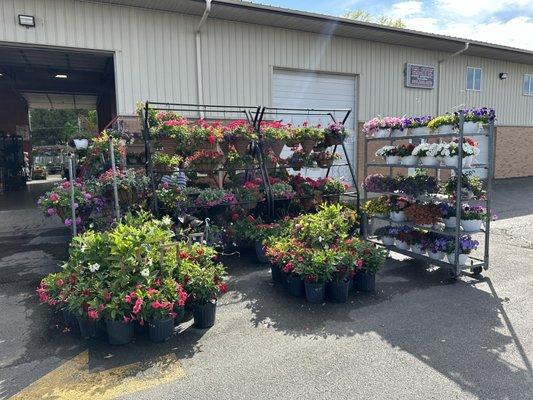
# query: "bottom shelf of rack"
[472,261]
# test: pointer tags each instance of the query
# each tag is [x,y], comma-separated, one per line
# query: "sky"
[505,22]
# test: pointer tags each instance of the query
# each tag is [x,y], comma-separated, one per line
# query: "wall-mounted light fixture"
[61,76]
[503,75]
[27,20]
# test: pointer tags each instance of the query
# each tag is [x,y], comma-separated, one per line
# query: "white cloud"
[404,9]
[479,8]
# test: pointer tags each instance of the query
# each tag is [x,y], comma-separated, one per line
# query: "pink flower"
[156,305]
[78,220]
[54,197]
[65,185]
[92,315]
[223,287]
[87,196]
[107,296]
[137,306]
[127,298]
[60,282]
[126,319]
[359,263]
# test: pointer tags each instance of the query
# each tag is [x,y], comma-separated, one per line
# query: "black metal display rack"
[12,162]
[475,264]
[254,115]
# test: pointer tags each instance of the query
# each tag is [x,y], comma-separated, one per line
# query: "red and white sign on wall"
[419,76]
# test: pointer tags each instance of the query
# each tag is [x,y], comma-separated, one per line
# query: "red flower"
[92,314]
[183,254]
[223,287]
[250,218]
[288,267]
[127,298]
[85,292]
[235,217]
[212,139]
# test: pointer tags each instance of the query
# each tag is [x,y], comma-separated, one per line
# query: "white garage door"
[302,89]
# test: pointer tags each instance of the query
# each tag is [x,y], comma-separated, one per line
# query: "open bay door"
[308,89]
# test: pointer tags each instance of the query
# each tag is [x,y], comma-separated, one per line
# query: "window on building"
[528,85]
[473,78]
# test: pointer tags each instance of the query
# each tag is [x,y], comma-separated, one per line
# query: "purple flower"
[68,222]
[51,211]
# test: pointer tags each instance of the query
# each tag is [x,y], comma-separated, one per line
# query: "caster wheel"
[452,274]
[477,270]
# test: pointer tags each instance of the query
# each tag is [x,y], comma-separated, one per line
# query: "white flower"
[167,221]
[385,151]
[94,267]
[149,262]
[320,239]
[83,248]
[145,272]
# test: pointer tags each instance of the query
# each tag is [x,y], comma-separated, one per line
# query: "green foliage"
[59,126]
[365,16]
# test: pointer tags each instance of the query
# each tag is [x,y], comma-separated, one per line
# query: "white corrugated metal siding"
[155,59]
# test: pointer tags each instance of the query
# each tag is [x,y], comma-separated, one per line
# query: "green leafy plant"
[448,119]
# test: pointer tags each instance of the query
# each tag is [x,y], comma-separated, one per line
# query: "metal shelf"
[430,136]
[437,197]
[385,165]
[444,231]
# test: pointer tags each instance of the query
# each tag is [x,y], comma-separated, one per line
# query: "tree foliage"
[365,16]
[50,127]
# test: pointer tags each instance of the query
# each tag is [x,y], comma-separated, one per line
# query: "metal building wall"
[155,59]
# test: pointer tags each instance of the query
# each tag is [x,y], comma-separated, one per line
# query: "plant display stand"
[475,264]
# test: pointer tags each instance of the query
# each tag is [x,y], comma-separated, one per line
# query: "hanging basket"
[241,146]
[333,140]
[126,195]
[205,166]
[297,166]
[250,205]
[307,203]
[163,169]
[276,146]
[331,198]
[308,145]
[168,145]
[324,162]
[206,145]
[292,142]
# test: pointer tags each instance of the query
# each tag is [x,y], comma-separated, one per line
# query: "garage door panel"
[302,89]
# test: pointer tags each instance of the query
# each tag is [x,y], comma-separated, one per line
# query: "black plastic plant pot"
[160,330]
[295,286]
[119,332]
[204,315]
[215,211]
[365,282]
[315,292]
[260,252]
[277,275]
[180,314]
[140,330]
[69,318]
[89,329]
[338,291]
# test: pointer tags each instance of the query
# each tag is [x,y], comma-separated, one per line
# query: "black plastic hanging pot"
[338,291]
[260,252]
[315,292]
[119,332]
[161,330]
[204,315]
[276,273]
[365,282]
[295,286]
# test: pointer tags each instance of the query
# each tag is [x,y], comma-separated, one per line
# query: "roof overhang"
[258,14]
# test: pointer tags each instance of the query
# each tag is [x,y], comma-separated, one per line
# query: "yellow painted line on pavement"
[73,380]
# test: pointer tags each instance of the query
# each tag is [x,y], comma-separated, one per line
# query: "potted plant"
[81,140]
[283,193]
[475,118]
[397,206]
[293,280]
[437,247]
[317,268]
[444,124]
[249,195]
[471,188]
[472,218]
[466,246]
[239,134]
[205,136]
[417,125]
[378,183]
[215,201]
[426,215]
[169,197]
[390,154]
[427,153]
[405,152]
[338,286]
[395,124]
[384,234]
[119,313]
[276,135]
[277,252]
[309,136]
[165,163]
[376,127]
[203,284]
[335,134]
[470,151]
[403,236]
[204,161]
[377,207]
[449,214]
[261,234]
[325,159]
[299,159]
[305,189]
[370,258]
[331,189]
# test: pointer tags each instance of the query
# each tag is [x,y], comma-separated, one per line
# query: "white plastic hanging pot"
[398,133]
[416,248]
[421,130]
[397,216]
[429,161]
[381,133]
[451,161]
[439,255]
[402,245]
[445,129]
[471,127]
[467,161]
[81,143]
[410,160]
[463,258]
[392,160]
[387,240]
[471,225]
[450,222]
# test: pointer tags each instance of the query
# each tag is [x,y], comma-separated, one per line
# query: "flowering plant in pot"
[370,258]
[317,268]
[472,217]
[437,246]
[377,207]
[417,125]
[384,234]
[205,135]
[396,126]
[204,283]
[282,191]
[378,183]
[335,133]
[170,197]
[389,153]
[132,185]
[204,161]
[426,215]
[165,163]
[403,235]
[243,230]
[470,150]
[325,159]
[405,152]
[216,199]
[476,117]
[376,127]
[448,213]
[276,135]
[444,124]
[471,188]
[236,163]
[466,246]
[306,190]
[299,159]
[397,206]
[239,133]
[416,185]
[309,136]
[427,153]
[277,252]
[249,195]
[331,188]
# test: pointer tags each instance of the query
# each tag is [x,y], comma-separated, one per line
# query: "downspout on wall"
[465,48]
[199,77]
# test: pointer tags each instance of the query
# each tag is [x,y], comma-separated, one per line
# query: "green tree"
[59,126]
[365,16]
